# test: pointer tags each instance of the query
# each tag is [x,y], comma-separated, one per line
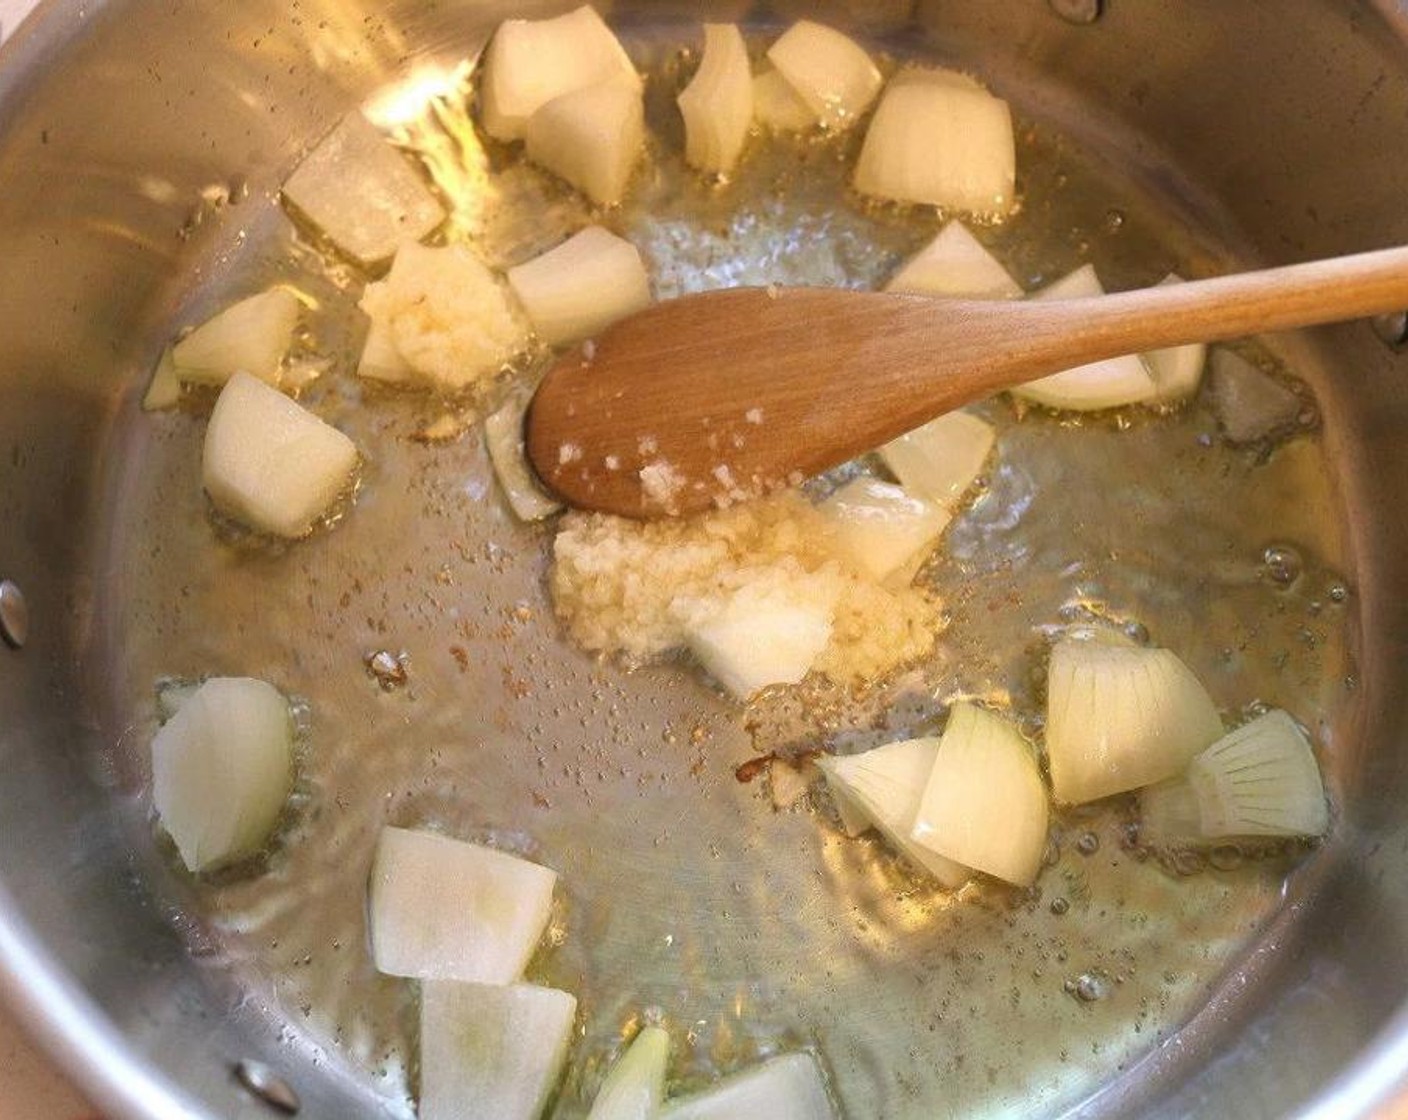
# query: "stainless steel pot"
[141,147]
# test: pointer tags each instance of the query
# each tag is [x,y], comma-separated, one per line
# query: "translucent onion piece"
[778,106]
[769,632]
[941,139]
[955,264]
[362,193]
[491,1053]
[941,460]
[444,909]
[787,1088]
[531,62]
[831,73]
[591,137]
[269,462]
[250,336]
[1260,780]
[882,529]
[717,105]
[635,1087]
[222,769]
[984,805]
[1088,388]
[450,320]
[503,432]
[164,389]
[887,785]
[1250,405]
[1169,813]
[380,360]
[585,284]
[1119,717]
[1176,370]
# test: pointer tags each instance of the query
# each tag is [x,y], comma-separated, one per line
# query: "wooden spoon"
[714,397]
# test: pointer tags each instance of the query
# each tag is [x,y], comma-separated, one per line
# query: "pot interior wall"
[1269,135]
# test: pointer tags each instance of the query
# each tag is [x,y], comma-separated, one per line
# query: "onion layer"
[250,336]
[531,62]
[586,283]
[1121,716]
[940,138]
[831,73]
[444,909]
[887,785]
[503,433]
[717,105]
[785,1088]
[269,462]
[957,265]
[984,805]
[362,193]
[592,137]
[222,768]
[490,1052]
[941,460]
[769,632]
[635,1087]
[778,106]
[883,530]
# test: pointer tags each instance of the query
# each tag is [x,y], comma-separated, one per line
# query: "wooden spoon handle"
[1298,295]
[738,391]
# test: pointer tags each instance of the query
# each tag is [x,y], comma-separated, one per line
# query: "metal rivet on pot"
[1078,11]
[1392,328]
[14,614]
[267,1085]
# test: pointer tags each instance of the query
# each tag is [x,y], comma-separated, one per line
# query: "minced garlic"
[633,588]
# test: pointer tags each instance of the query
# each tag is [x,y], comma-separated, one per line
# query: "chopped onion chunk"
[1088,388]
[362,193]
[164,388]
[591,137]
[491,1052]
[269,462]
[503,432]
[957,265]
[1250,404]
[767,632]
[717,105]
[984,805]
[941,139]
[786,1088]
[887,785]
[778,106]
[885,531]
[831,73]
[635,1087]
[941,460]
[444,909]
[582,286]
[1121,716]
[250,336]
[222,769]
[531,62]
[1259,780]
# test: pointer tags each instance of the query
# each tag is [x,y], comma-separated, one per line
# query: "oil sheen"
[685,897]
